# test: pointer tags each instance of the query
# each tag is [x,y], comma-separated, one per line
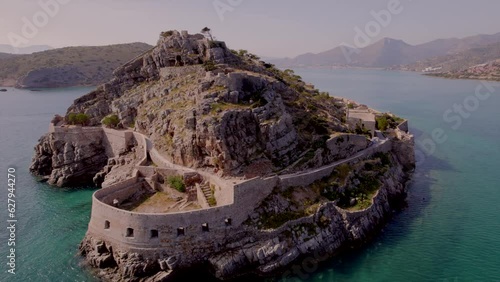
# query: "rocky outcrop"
[205,106]
[69,159]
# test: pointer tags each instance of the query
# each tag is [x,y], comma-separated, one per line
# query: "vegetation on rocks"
[111,121]
[77,118]
[177,183]
[387,121]
[351,187]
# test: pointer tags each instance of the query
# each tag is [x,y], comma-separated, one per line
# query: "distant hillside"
[388,52]
[475,63]
[4,48]
[70,66]
[460,60]
[6,55]
[487,71]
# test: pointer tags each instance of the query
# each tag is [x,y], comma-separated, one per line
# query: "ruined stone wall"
[141,147]
[116,142]
[307,178]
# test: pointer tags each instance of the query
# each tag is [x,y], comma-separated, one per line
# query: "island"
[209,158]
[66,67]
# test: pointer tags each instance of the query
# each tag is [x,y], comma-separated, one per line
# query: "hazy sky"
[275,28]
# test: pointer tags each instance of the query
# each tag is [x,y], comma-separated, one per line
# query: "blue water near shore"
[448,232]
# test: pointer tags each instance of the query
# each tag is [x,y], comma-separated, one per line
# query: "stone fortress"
[265,167]
[165,237]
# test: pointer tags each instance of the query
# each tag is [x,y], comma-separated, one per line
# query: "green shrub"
[382,123]
[71,117]
[350,106]
[80,118]
[111,121]
[209,65]
[242,53]
[177,183]
[212,201]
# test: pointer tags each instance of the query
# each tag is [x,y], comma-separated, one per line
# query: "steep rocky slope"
[205,106]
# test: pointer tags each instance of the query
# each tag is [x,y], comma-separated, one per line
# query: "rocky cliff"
[69,159]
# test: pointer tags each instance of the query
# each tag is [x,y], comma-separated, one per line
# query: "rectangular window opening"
[130,232]
[180,231]
[154,233]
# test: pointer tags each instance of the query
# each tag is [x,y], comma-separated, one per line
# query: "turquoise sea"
[448,232]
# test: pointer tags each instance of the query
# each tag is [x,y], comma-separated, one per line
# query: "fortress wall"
[120,191]
[167,172]
[134,230]
[165,224]
[122,194]
[116,142]
[159,160]
[305,179]
[118,186]
[403,126]
[343,145]
[247,196]
[75,129]
[146,171]
[141,145]
[250,193]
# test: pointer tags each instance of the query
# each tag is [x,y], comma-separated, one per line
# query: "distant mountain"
[387,52]
[383,53]
[4,48]
[70,66]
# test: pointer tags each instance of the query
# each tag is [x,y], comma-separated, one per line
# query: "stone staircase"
[207,192]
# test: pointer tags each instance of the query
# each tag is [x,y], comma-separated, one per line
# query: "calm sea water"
[449,232]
